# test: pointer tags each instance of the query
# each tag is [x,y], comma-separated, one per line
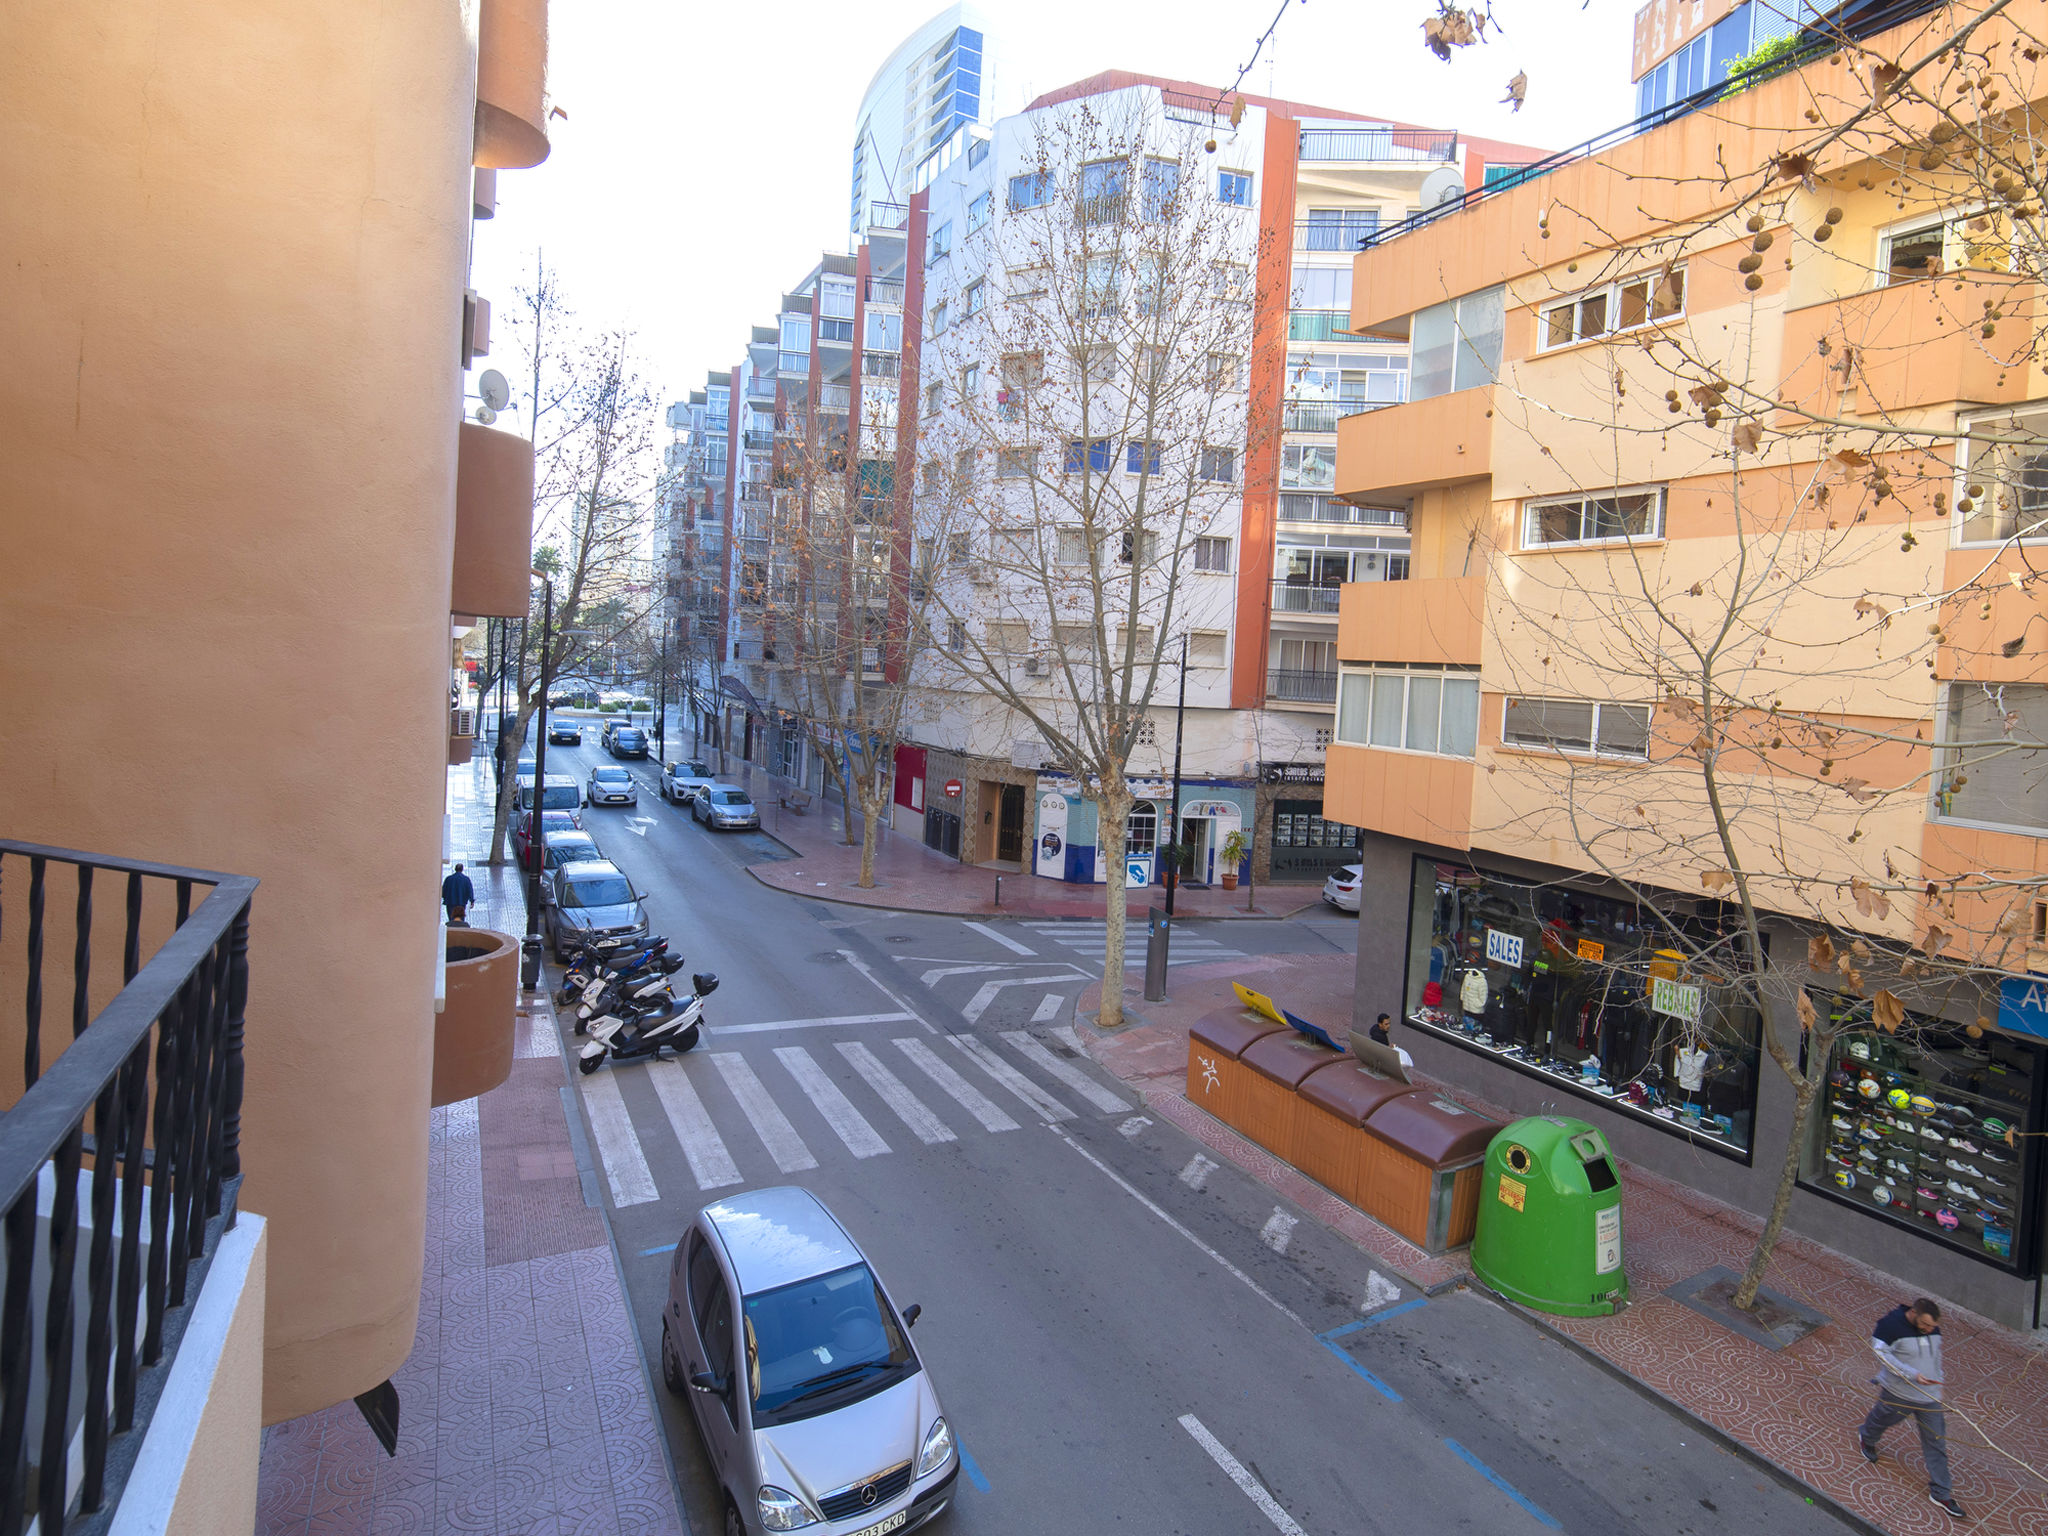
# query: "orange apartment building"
[1643,379]
[242,510]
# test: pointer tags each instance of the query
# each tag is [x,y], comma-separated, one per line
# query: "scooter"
[641,992]
[627,1034]
[591,963]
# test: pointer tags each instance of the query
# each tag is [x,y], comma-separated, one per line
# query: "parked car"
[567,847]
[592,900]
[720,805]
[683,782]
[1341,889]
[612,786]
[563,793]
[565,733]
[625,740]
[811,1402]
[691,765]
[551,823]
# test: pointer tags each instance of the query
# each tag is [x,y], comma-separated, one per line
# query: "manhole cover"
[829,957]
[901,938]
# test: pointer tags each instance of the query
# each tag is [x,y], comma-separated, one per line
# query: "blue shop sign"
[2023,1006]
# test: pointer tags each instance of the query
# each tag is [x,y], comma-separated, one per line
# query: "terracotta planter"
[473,1033]
[1230,879]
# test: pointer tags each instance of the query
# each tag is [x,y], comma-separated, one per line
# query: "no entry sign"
[953,787]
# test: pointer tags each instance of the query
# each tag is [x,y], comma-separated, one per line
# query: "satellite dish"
[1446,184]
[497,394]
[486,415]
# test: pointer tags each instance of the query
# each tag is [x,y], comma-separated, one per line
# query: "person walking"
[1907,1343]
[457,895]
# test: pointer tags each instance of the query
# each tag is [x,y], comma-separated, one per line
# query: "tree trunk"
[508,787]
[1112,813]
[868,814]
[1804,1095]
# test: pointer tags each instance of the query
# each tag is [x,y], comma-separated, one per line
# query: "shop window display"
[1913,1128]
[1581,990]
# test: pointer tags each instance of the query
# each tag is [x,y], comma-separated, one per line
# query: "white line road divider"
[770,1124]
[617,1147]
[970,1098]
[1035,1098]
[710,1164]
[1048,1008]
[850,1125]
[923,1124]
[1008,943]
[846,1018]
[1036,1053]
[876,982]
[1197,1171]
[1278,1229]
[987,995]
[1233,1468]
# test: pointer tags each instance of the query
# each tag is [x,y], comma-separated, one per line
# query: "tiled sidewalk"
[1797,1408]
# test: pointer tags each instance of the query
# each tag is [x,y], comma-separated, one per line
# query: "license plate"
[894,1522]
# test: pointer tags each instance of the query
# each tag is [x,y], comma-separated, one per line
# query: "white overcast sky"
[706,156]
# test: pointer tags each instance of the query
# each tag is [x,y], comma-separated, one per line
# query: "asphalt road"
[1125,1335]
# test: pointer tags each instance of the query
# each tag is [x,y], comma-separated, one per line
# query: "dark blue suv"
[626,741]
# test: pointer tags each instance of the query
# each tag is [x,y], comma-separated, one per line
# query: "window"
[1030,190]
[1097,363]
[980,211]
[934,475]
[977,151]
[1212,554]
[1225,372]
[1029,282]
[1096,452]
[1206,648]
[1141,827]
[1219,464]
[1140,644]
[934,396]
[1150,282]
[1410,709]
[1155,368]
[1161,183]
[1104,185]
[1455,345]
[956,635]
[1995,755]
[970,380]
[1069,548]
[1231,282]
[1322,288]
[885,331]
[1099,284]
[1234,188]
[963,470]
[1309,466]
[940,244]
[1600,519]
[1008,637]
[939,319]
[1022,372]
[835,298]
[960,546]
[1076,641]
[2003,490]
[1940,242]
[1618,307]
[1141,458]
[1147,544]
[973,297]
[1016,463]
[1577,725]
[835,330]
[1339,229]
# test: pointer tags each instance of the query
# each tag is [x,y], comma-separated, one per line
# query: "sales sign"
[1675,1001]
[1503,948]
[1588,950]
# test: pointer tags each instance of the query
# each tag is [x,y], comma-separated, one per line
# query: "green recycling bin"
[1549,1232]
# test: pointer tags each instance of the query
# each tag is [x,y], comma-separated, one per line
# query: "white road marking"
[625,1169]
[1132,1126]
[875,981]
[1197,1171]
[639,824]
[1035,1052]
[1379,1292]
[1035,1098]
[1003,939]
[1066,1036]
[845,1018]
[852,1127]
[979,1003]
[1278,1229]
[970,1098]
[1252,1488]
[926,1126]
[939,973]
[770,1124]
[1048,1008]
[710,1164]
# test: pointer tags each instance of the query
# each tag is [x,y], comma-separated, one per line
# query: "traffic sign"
[953,787]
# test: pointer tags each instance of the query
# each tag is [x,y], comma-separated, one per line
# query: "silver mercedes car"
[814,1409]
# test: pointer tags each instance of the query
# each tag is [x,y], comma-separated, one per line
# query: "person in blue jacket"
[457,895]
[1907,1343]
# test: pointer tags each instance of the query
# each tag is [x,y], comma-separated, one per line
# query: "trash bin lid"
[1432,1129]
[1286,1057]
[1350,1091]
[1230,1030]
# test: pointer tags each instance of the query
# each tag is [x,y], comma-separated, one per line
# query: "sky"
[704,162]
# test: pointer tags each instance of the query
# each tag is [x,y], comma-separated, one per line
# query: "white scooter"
[628,1033]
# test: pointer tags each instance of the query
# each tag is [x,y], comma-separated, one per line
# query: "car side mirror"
[911,1314]
[704,1381]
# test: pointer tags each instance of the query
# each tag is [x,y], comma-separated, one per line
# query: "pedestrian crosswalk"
[734,1113]
[1189,946]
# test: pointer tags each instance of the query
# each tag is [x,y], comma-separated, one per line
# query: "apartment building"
[937,81]
[1616,417]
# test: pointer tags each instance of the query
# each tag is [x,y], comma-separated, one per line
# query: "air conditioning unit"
[1037,666]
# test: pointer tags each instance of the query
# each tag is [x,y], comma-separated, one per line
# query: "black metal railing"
[1304,687]
[157,1073]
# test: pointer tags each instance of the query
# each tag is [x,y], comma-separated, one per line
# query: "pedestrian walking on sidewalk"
[1907,1342]
[457,895]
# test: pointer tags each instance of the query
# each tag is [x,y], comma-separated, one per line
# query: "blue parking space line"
[648,1253]
[1406,1306]
[973,1471]
[1341,1353]
[1502,1484]
[1344,1331]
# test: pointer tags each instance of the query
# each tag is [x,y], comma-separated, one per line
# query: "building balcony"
[1301,687]
[1320,325]
[1354,146]
[1910,345]
[120,1176]
[1306,595]
[511,84]
[493,523]
[1417,795]
[1436,621]
[885,290]
[1394,453]
[461,736]
[1323,415]
[473,1032]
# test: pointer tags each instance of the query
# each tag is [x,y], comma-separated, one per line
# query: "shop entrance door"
[1197,837]
[1010,825]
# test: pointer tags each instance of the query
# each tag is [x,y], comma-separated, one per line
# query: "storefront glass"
[1304,845]
[1913,1128]
[1564,985]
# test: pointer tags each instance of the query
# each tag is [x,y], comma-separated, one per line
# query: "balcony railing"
[835,397]
[888,215]
[150,1088]
[881,365]
[1366,144]
[1347,233]
[1302,594]
[1319,325]
[885,290]
[1308,507]
[1303,687]
[757,442]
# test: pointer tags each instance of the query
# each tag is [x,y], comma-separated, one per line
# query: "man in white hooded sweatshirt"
[1907,1343]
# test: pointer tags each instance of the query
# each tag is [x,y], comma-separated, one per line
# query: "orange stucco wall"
[1394,452]
[1434,621]
[234,237]
[1408,794]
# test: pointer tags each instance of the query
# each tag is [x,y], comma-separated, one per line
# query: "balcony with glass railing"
[1319,325]
[1353,146]
[885,290]
[1306,594]
[881,365]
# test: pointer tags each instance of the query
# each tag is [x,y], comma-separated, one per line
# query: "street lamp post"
[661,696]
[1159,941]
[1180,710]
[536,847]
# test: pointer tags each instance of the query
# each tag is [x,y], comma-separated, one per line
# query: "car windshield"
[628,733]
[559,795]
[820,1344]
[598,891]
[556,821]
[612,776]
[729,797]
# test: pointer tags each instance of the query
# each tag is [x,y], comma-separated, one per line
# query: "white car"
[1341,889]
[681,786]
[612,786]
